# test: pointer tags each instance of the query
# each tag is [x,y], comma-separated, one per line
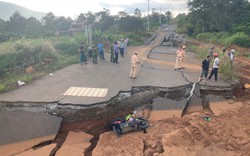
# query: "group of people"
[93,51]
[115,48]
[216,64]
[180,56]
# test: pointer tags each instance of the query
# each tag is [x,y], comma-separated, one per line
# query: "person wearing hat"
[134,62]
[184,53]
[179,57]
[215,69]
[231,57]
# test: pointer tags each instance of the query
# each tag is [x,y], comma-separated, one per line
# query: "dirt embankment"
[228,133]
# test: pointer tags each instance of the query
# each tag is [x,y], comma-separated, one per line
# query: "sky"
[72,8]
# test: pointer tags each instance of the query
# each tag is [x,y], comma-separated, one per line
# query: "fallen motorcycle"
[120,126]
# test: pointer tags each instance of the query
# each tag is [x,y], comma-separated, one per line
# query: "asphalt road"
[157,70]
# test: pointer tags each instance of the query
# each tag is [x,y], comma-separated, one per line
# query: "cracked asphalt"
[157,70]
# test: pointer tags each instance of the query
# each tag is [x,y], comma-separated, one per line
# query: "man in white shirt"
[215,69]
[134,62]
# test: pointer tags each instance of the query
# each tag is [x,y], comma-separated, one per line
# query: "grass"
[2,88]
[46,55]
[225,69]
[247,55]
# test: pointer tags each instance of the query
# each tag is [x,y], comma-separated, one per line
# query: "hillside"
[8,9]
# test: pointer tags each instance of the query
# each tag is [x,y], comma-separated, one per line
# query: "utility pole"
[148,15]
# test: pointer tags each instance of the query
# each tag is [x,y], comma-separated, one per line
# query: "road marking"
[88,92]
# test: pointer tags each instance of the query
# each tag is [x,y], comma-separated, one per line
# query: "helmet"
[215,54]
[232,50]
[183,47]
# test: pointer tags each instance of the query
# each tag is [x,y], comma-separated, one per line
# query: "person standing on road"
[179,57]
[94,55]
[100,47]
[111,52]
[215,69]
[134,63]
[122,48]
[126,45]
[116,51]
[90,50]
[82,55]
[205,69]
[211,51]
[184,54]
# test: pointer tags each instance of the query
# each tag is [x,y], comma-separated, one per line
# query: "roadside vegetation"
[218,23]
[30,48]
[221,22]
[225,67]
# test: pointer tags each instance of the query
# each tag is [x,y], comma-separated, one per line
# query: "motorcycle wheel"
[117,130]
[143,124]
[114,120]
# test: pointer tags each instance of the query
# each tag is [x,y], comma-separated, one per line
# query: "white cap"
[232,50]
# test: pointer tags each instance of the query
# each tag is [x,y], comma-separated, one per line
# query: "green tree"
[214,15]
[81,18]
[130,24]
[16,24]
[49,24]
[63,24]
[33,27]
[137,13]
[169,16]
[105,20]
[90,18]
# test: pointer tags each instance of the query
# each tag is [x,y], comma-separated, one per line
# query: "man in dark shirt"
[205,69]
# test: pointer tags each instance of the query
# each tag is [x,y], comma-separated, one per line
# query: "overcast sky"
[73,8]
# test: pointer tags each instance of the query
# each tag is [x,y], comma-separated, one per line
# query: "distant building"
[76,27]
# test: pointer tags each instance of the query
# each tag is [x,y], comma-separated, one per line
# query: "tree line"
[18,26]
[216,16]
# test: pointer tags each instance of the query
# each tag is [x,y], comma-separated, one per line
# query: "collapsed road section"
[44,119]
[85,118]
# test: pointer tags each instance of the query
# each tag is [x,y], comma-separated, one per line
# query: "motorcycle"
[121,126]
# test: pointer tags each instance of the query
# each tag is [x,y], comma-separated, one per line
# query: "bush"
[226,69]
[2,88]
[238,38]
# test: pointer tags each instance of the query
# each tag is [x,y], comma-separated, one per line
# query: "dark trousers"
[116,58]
[101,53]
[122,51]
[94,59]
[215,73]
